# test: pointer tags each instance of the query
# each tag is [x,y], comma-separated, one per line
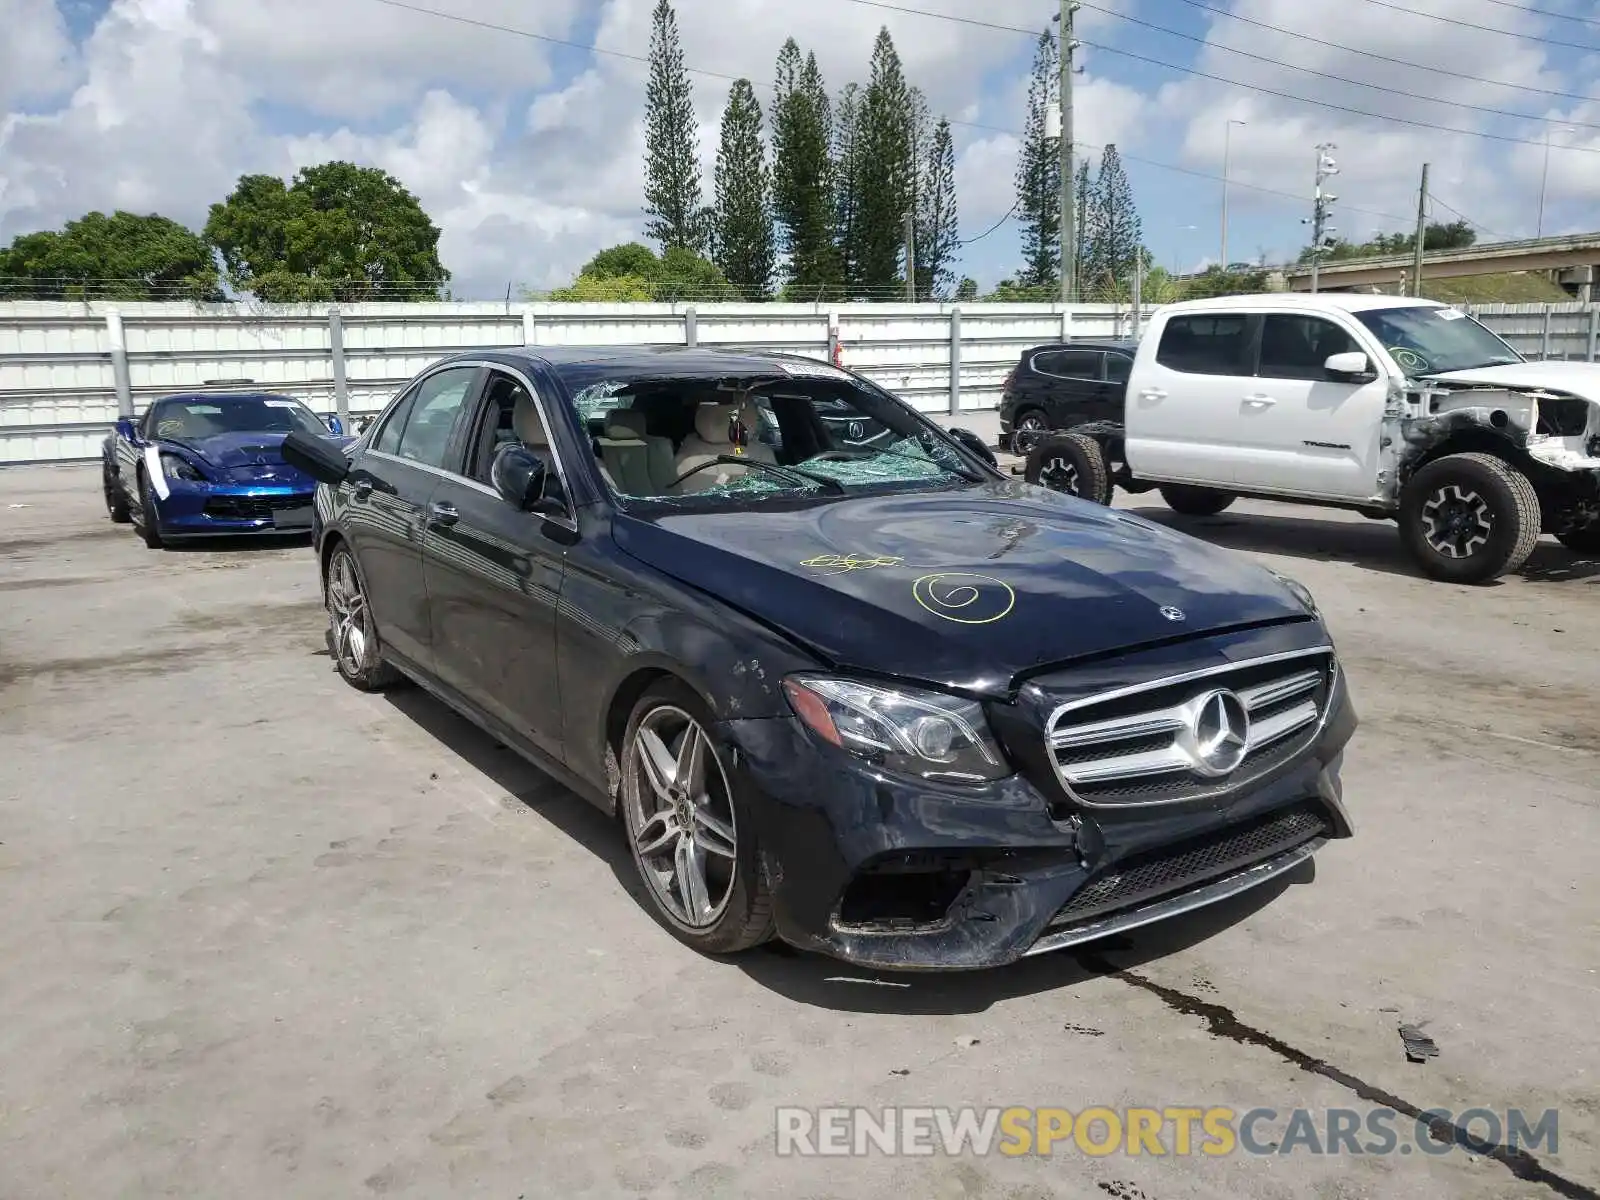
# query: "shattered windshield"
[1424,340]
[794,430]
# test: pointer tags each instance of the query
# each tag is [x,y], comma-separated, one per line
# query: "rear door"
[1071,386]
[493,575]
[1184,403]
[388,490]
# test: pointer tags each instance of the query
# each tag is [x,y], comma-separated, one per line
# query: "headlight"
[913,732]
[1301,592]
[178,467]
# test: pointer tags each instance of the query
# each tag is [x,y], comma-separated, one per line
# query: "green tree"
[630,258]
[671,141]
[121,257]
[743,220]
[338,232]
[885,187]
[633,272]
[937,228]
[1038,177]
[802,173]
[1216,281]
[1116,239]
[848,164]
[966,290]
[1018,291]
[607,289]
[1085,213]
[1457,235]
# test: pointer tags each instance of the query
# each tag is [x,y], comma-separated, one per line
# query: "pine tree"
[847,163]
[1038,176]
[1117,235]
[802,172]
[885,186]
[1086,213]
[671,142]
[938,230]
[743,244]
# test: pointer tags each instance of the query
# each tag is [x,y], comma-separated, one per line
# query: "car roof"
[643,360]
[1347,301]
[1126,345]
[222,397]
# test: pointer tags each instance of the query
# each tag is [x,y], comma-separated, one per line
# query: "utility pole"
[1422,231]
[911,257]
[1227,139]
[1069,204]
[1321,232]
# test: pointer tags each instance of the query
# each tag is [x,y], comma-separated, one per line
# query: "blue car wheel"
[148,522]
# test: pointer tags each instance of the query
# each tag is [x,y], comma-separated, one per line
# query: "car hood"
[967,589]
[1580,379]
[246,454]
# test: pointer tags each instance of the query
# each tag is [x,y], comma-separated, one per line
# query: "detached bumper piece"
[1183,878]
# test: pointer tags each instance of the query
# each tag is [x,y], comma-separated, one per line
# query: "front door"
[494,574]
[1301,431]
[386,496]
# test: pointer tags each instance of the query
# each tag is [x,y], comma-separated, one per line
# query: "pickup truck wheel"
[1072,463]
[1469,518]
[1195,501]
[1584,540]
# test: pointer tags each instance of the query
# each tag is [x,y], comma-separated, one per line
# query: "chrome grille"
[1191,735]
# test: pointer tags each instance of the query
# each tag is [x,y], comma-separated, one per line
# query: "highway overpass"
[1572,261]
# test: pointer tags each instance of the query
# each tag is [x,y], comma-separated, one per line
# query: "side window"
[387,439]
[1295,347]
[1206,344]
[1118,368]
[1068,364]
[509,416]
[426,436]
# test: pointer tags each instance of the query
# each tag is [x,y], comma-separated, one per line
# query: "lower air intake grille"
[1151,876]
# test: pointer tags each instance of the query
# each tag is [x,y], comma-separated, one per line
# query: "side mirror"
[126,427]
[317,457]
[526,482]
[976,444]
[1349,367]
[335,426]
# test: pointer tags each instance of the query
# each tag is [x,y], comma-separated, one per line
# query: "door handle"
[1153,394]
[363,488]
[442,513]
[1260,401]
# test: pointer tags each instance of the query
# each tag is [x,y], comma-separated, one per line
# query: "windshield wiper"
[793,474]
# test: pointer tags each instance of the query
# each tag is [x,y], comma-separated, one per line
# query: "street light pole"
[1544,180]
[1227,137]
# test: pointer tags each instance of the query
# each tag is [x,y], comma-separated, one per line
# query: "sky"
[527,153]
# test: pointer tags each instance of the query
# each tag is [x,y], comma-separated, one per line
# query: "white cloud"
[35,52]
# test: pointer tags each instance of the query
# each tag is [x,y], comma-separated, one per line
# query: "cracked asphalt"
[265,936]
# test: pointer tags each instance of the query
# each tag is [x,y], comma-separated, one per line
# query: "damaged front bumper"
[895,873]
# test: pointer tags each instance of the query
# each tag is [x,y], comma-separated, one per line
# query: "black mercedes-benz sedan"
[841,681]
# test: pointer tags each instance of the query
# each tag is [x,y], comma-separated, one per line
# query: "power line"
[1010,212]
[1464,217]
[1399,62]
[1546,14]
[1510,33]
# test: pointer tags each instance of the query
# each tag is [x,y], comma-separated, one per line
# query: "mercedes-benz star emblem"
[1220,733]
[1172,614]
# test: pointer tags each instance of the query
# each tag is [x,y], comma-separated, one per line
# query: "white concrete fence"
[67,369]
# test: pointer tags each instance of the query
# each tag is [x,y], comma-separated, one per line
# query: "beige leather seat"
[525,421]
[712,437]
[636,462]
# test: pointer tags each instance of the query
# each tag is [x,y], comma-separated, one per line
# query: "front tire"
[1469,518]
[116,498]
[147,524]
[1195,501]
[690,835]
[1073,463]
[352,636]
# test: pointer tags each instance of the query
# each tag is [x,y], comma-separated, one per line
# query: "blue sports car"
[211,464]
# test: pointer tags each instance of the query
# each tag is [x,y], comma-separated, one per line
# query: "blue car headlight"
[907,730]
[175,466]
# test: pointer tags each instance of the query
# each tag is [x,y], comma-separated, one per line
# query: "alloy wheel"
[1456,521]
[1029,432]
[1060,475]
[680,816]
[347,608]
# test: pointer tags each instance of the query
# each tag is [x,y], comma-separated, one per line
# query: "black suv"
[1063,386]
[845,684]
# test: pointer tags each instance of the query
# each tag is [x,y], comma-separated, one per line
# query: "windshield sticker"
[812,369]
[281,403]
[1451,314]
[1408,359]
[840,564]
[965,598]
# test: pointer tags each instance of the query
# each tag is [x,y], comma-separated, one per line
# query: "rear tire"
[1031,428]
[1072,463]
[147,524]
[1195,501]
[1469,518]
[116,498]
[1584,540]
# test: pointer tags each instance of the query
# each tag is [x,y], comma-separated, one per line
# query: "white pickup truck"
[1393,407]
